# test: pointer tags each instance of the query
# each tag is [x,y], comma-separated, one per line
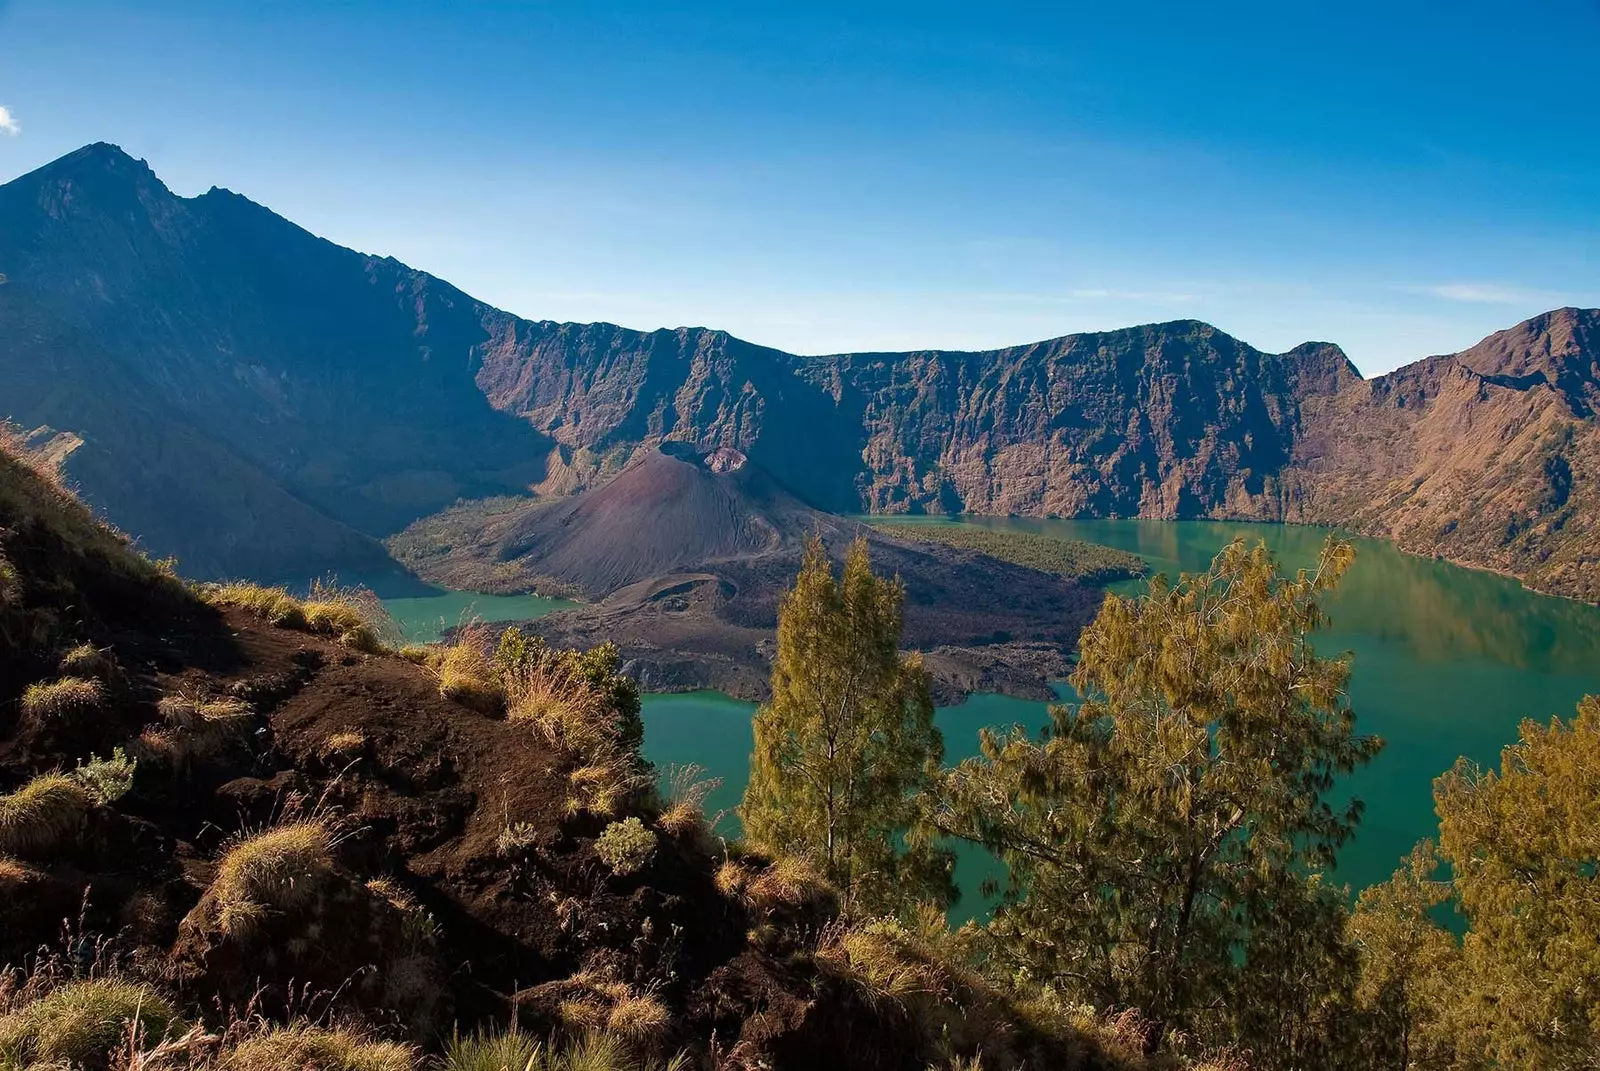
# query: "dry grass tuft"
[14,874]
[733,879]
[638,1017]
[353,616]
[42,815]
[67,699]
[789,882]
[311,1048]
[468,676]
[81,1024]
[508,1051]
[427,655]
[279,870]
[276,605]
[347,743]
[683,811]
[198,728]
[87,660]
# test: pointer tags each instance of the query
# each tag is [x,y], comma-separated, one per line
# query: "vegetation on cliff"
[1072,559]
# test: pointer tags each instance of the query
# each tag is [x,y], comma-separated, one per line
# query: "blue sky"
[1401,178]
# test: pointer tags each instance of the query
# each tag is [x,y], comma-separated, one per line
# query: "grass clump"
[42,815]
[468,676]
[276,605]
[107,780]
[625,846]
[87,660]
[788,882]
[197,729]
[353,616]
[511,1050]
[81,1024]
[312,1048]
[683,809]
[279,870]
[67,699]
[601,1050]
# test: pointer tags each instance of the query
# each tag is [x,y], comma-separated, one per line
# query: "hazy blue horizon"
[1400,179]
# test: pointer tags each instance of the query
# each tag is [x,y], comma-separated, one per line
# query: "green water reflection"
[1447,662]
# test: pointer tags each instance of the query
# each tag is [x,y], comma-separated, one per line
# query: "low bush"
[67,699]
[625,846]
[82,1024]
[281,869]
[107,780]
[42,815]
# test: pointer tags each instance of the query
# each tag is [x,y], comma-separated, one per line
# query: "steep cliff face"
[1489,457]
[218,362]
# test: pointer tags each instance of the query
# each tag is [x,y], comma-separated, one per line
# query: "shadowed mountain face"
[217,361]
[249,396]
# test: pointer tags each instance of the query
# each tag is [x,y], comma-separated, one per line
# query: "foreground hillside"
[258,401]
[237,831]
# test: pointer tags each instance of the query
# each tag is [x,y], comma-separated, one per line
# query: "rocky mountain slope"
[218,362]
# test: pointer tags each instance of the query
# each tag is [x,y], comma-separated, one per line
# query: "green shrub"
[626,846]
[107,780]
[81,1023]
[66,699]
[42,815]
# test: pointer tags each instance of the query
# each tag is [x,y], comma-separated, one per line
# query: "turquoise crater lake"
[1448,661]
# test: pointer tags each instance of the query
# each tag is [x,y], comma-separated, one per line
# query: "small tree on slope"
[847,741]
[1163,838]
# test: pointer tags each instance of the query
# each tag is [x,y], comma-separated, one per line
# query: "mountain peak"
[100,168]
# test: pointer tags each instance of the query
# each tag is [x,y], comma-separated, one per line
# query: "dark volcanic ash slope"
[684,557]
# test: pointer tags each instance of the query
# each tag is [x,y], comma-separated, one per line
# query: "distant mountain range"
[256,400]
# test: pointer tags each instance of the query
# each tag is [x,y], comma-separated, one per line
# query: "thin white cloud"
[1485,294]
[1097,294]
[8,122]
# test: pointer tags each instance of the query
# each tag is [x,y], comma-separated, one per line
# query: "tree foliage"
[847,741]
[1163,837]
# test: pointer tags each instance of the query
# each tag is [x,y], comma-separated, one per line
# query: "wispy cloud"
[8,122]
[1097,294]
[1486,294]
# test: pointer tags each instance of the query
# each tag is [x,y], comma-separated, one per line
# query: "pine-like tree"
[1163,837]
[847,741]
